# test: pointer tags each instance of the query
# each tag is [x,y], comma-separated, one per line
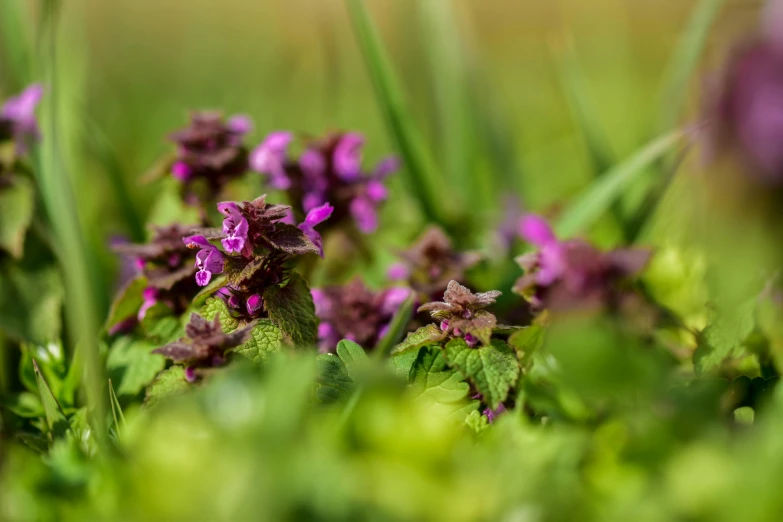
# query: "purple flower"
[235,228]
[493,414]
[150,296]
[254,304]
[462,313]
[314,217]
[18,114]
[209,260]
[270,156]
[397,272]
[348,156]
[181,170]
[537,231]
[363,212]
[355,312]
[240,124]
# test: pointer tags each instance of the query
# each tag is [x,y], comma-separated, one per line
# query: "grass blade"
[600,196]
[55,416]
[58,197]
[397,328]
[16,46]
[116,409]
[582,106]
[421,173]
[448,76]
[674,88]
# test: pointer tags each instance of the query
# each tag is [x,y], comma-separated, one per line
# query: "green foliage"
[397,327]
[127,302]
[30,302]
[132,366]
[424,336]
[724,337]
[265,339]
[493,369]
[18,203]
[169,383]
[291,308]
[55,417]
[441,388]
[216,307]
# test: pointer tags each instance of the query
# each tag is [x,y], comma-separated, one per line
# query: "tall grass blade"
[421,173]
[58,198]
[55,417]
[396,329]
[16,46]
[582,106]
[448,75]
[604,191]
[674,86]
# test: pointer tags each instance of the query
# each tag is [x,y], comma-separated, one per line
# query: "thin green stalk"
[58,198]
[16,43]
[674,90]
[420,172]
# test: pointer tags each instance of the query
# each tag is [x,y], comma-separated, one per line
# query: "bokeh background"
[500,89]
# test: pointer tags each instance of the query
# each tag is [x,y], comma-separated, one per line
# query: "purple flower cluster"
[17,118]
[355,312]
[566,275]
[257,245]
[462,314]
[204,346]
[164,263]
[210,152]
[330,170]
[747,113]
[431,263]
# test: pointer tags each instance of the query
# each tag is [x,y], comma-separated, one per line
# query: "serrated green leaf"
[433,382]
[215,307]
[424,336]
[352,355]
[208,291]
[168,383]
[17,202]
[55,417]
[724,337]
[476,421]
[265,339]
[132,365]
[493,369]
[127,302]
[291,308]
[333,382]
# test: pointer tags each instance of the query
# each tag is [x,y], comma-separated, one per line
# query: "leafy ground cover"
[267,354]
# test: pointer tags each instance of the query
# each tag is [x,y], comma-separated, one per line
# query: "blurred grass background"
[486,82]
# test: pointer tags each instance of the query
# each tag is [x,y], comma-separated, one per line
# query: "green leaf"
[493,369]
[291,307]
[55,417]
[432,381]
[116,409]
[724,337]
[17,203]
[352,355]
[265,339]
[30,303]
[217,307]
[420,173]
[402,362]
[477,422]
[160,325]
[424,336]
[127,302]
[132,365]
[604,191]
[168,383]
[683,61]
[333,383]
[397,327]
[527,340]
[24,404]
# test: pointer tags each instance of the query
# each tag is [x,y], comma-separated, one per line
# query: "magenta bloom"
[348,156]
[269,158]
[235,228]
[315,217]
[209,260]
[18,115]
